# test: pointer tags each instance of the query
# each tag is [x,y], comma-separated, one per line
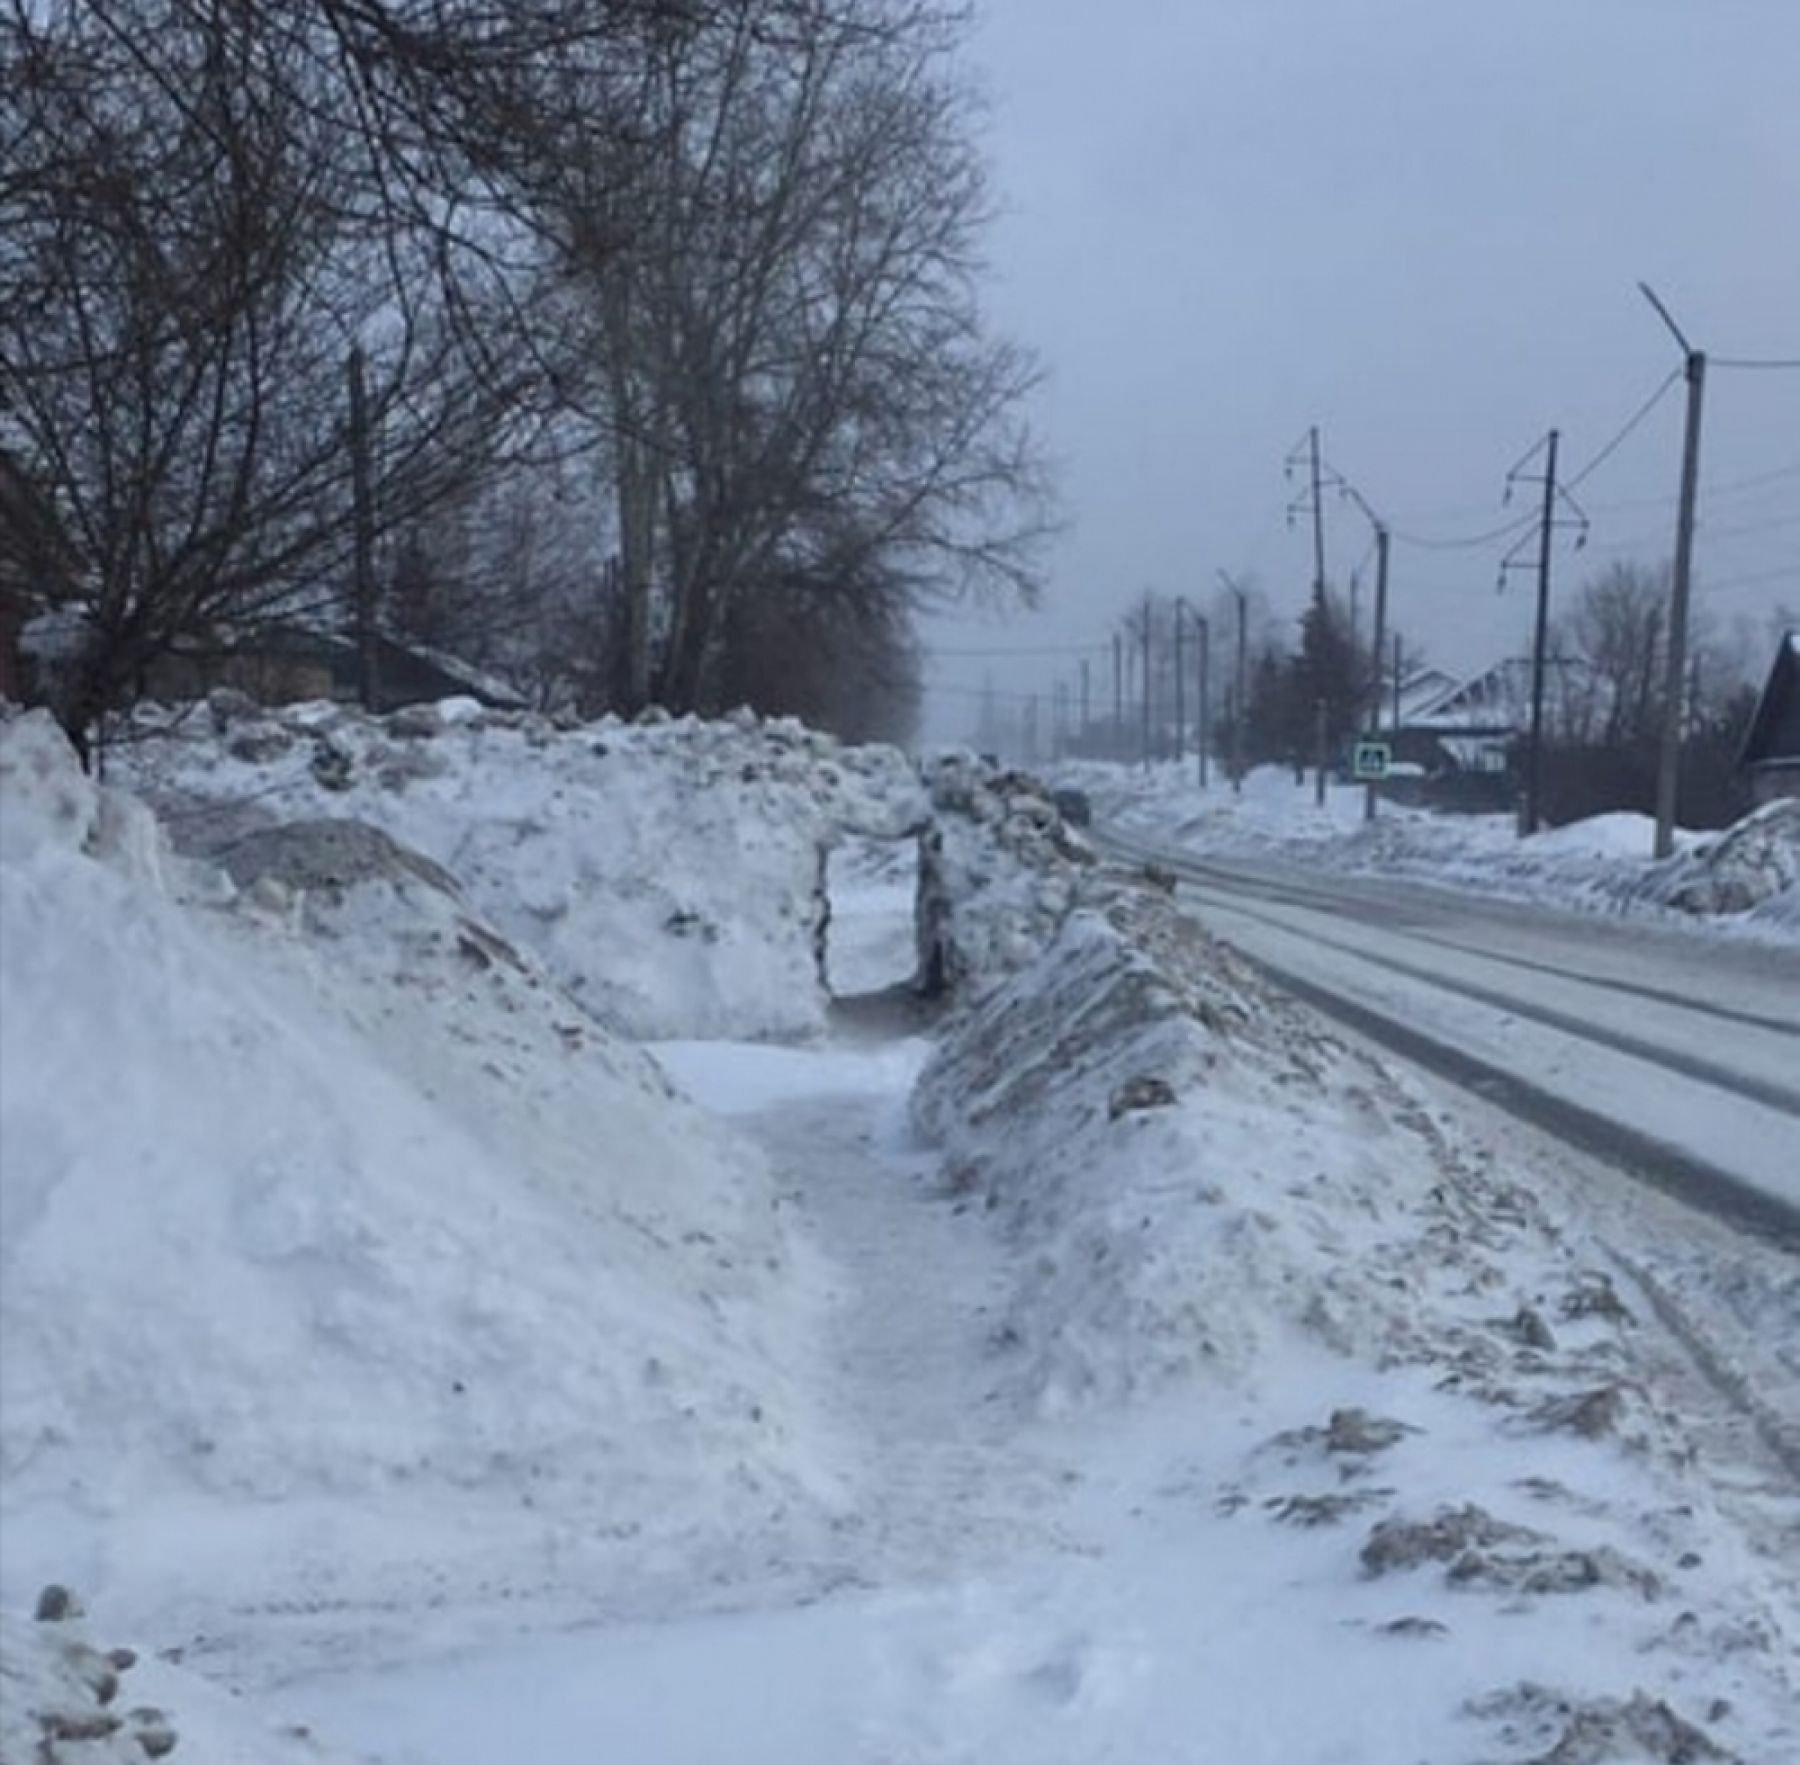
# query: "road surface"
[1674,1056]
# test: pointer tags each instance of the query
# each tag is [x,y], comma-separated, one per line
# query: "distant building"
[1771,750]
[281,663]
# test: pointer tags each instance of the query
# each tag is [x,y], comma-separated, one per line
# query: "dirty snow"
[667,874]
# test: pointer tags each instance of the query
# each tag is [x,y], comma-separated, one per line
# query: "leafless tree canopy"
[718,257]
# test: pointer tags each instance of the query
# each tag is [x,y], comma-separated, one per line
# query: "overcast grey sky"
[1420,225]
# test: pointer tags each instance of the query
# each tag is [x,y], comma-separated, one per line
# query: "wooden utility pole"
[1321,728]
[1203,740]
[1668,771]
[1318,515]
[1118,728]
[1180,686]
[362,493]
[1238,698]
[1396,683]
[1534,763]
[1146,680]
[1375,650]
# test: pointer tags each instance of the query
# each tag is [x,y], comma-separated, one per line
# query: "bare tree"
[781,255]
[1616,631]
[184,269]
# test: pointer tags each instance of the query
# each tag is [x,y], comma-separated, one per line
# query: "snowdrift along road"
[330,1196]
[452,1321]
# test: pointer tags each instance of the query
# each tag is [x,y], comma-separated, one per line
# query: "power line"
[1751,483]
[945,691]
[1468,542]
[1708,532]
[1709,492]
[1511,529]
[1004,651]
[1789,572]
[1626,429]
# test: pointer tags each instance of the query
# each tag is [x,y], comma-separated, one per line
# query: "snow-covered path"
[947,1481]
[1013,1593]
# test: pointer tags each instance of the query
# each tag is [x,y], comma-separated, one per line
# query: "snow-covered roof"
[1500,698]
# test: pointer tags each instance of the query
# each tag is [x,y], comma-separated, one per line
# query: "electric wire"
[1625,430]
[1474,541]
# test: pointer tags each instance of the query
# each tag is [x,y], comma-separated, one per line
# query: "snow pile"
[1491,1438]
[669,874]
[1189,1166]
[1603,864]
[1000,872]
[65,1701]
[326,1199]
[1752,868]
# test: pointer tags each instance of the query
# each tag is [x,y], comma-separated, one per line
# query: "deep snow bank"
[1752,868]
[999,873]
[328,1190]
[668,873]
[1192,1167]
[1747,877]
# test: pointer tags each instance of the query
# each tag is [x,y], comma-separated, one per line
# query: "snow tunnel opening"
[869,943]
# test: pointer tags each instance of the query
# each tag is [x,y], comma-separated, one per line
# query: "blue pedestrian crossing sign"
[1371,760]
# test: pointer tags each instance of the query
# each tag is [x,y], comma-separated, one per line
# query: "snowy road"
[1675,1058]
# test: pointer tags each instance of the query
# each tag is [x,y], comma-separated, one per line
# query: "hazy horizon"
[1421,227]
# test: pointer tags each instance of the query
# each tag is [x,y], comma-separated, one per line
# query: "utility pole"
[1375,650]
[1311,501]
[1180,685]
[1203,738]
[1320,754]
[1668,771]
[1146,680]
[1532,817]
[1318,514]
[362,493]
[1396,683]
[1379,641]
[1541,635]
[1086,698]
[1117,744]
[1238,700]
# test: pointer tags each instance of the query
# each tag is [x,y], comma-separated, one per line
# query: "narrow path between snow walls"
[1185,1350]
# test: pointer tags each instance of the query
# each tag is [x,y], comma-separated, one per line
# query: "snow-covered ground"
[1130,1370]
[1746,881]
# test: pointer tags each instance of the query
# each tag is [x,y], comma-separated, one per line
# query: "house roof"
[1422,691]
[1774,733]
[1499,699]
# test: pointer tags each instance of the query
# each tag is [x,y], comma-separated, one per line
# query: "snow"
[633,859]
[66,1701]
[871,943]
[1075,1382]
[1746,880]
[443,1266]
